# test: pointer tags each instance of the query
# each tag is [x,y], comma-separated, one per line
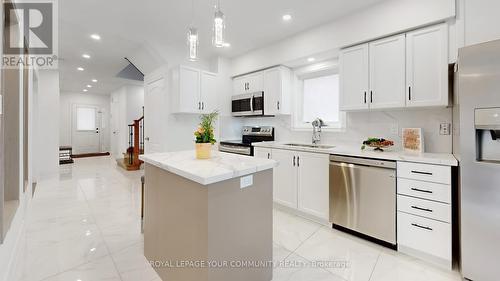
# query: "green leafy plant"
[205,132]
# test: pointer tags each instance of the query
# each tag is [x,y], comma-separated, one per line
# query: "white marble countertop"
[222,166]
[444,159]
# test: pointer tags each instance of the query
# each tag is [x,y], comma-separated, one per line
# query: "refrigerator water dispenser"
[487,125]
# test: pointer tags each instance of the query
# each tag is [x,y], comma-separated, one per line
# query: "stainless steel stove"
[249,136]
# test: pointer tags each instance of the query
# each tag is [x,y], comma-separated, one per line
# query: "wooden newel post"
[136,142]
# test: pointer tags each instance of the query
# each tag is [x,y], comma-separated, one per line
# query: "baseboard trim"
[86,155]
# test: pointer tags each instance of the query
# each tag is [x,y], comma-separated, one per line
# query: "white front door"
[86,136]
[154,119]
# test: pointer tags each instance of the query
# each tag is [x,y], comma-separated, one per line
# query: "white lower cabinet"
[301,181]
[285,178]
[313,190]
[260,152]
[424,216]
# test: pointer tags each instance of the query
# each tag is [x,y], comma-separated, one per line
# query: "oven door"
[236,149]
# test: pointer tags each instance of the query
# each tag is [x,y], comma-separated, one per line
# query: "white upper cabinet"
[354,78]
[247,84]
[193,90]
[387,73]
[427,67]
[406,70]
[277,86]
[208,92]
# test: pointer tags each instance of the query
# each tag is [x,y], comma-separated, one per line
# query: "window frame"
[310,72]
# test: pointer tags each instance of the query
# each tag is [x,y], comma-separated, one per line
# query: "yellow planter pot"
[203,150]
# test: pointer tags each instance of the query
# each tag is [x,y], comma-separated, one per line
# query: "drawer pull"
[423,227]
[422,190]
[422,209]
[422,173]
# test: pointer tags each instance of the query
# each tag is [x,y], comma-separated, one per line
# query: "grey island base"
[220,231]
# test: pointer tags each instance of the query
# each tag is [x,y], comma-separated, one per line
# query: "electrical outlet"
[445,129]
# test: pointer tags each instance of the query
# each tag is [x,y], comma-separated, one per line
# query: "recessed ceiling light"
[227,45]
[86,56]
[94,80]
[287,17]
[95,36]
[85,90]
[311,59]
[80,69]
[89,86]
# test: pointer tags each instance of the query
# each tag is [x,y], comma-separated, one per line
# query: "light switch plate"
[445,129]
[246,181]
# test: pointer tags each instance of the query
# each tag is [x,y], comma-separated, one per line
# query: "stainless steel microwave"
[248,104]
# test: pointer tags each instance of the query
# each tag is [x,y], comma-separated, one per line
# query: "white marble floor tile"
[352,259]
[290,231]
[394,266]
[99,270]
[132,265]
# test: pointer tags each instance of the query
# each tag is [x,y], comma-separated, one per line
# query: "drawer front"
[425,208]
[425,235]
[426,190]
[424,172]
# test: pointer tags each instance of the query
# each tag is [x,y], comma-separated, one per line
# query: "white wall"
[380,20]
[47,147]
[482,22]
[126,106]
[67,102]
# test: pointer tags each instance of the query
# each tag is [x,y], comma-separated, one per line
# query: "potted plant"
[205,135]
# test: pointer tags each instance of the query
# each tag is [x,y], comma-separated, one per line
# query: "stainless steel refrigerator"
[479,109]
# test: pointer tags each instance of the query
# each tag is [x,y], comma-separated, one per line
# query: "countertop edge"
[444,159]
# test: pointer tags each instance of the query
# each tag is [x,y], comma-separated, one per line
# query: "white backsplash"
[361,125]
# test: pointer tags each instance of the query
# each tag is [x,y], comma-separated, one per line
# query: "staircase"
[130,160]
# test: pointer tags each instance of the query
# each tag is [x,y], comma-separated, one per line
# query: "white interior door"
[154,121]
[86,137]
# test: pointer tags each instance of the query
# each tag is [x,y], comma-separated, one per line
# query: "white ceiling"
[130,26]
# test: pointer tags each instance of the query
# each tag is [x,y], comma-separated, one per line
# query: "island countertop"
[222,166]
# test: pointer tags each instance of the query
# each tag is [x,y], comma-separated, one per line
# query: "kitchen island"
[208,220]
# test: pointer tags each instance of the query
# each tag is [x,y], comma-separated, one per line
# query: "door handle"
[409,92]
[268,155]
[294,161]
[146,138]
[365,96]
[298,161]
[278,105]
[199,105]
[202,105]
[371,96]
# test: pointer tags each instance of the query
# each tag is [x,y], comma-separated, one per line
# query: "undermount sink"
[310,145]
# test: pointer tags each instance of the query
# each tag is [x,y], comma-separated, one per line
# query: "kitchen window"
[318,97]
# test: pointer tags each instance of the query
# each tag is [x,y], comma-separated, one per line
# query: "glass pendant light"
[219,27]
[192,39]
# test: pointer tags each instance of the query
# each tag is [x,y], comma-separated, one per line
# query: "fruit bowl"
[378,144]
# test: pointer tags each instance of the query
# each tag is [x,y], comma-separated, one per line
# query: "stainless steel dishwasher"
[363,196]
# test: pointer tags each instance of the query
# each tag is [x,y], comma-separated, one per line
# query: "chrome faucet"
[317,125]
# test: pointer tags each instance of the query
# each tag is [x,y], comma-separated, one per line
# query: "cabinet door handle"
[365,96]
[199,105]
[409,92]
[298,161]
[202,105]
[422,173]
[278,105]
[371,96]
[422,209]
[423,227]
[268,155]
[294,161]
[422,190]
